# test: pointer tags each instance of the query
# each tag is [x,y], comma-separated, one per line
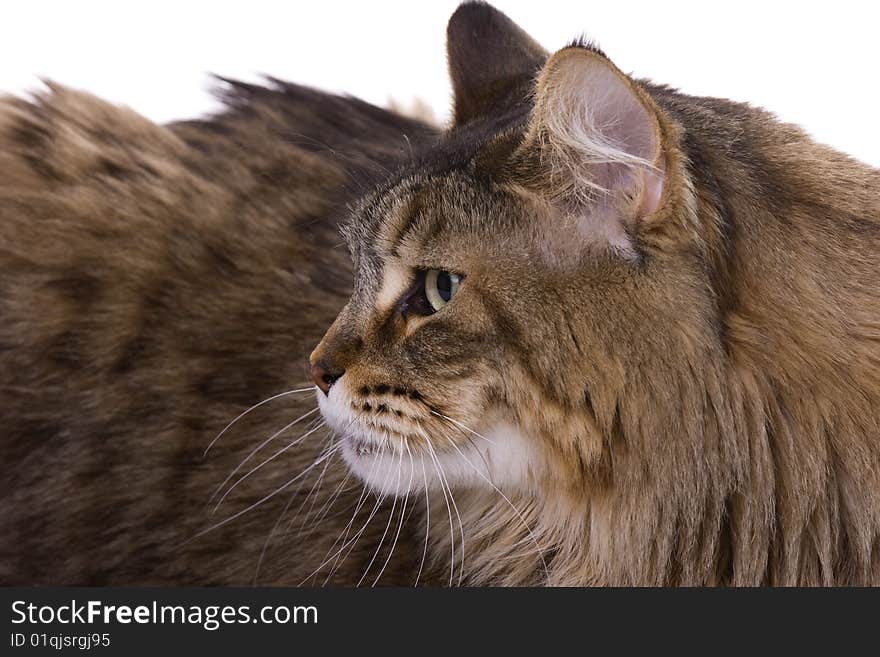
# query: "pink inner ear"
[597,119]
[613,111]
[600,152]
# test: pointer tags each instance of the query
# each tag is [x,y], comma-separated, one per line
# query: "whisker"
[387,526]
[476,449]
[268,460]
[512,506]
[458,515]
[287,506]
[329,444]
[338,558]
[427,524]
[462,426]
[258,448]
[351,542]
[253,408]
[343,535]
[312,494]
[271,533]
[412,468]
[325,509]
[448,508]
[268,497]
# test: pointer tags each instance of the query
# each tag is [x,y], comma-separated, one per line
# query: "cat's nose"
[324,377]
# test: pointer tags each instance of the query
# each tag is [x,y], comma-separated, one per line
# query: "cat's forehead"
[449,188]
[451,211]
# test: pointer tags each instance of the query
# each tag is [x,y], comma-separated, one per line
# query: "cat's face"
[435,344]
[494,285]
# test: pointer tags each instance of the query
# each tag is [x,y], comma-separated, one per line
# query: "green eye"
[439,287]
[431,290]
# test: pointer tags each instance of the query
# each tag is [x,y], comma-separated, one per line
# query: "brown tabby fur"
[154,283]
[705,411]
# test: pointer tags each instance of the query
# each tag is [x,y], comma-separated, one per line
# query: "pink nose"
[323,377]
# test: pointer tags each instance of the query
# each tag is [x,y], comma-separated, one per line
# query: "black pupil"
[444,285]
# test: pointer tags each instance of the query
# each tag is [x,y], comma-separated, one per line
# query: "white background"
[813,64]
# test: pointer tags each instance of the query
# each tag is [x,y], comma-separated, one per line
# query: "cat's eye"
[439,287]
[432,289]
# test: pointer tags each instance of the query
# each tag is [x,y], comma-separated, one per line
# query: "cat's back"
[155,282]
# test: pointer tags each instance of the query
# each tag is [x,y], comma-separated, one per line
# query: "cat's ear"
[491,61]
[593,146]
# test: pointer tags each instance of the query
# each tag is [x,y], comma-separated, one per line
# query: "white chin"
[383,468]
[384,471]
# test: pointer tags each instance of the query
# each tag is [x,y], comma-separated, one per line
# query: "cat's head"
[506,281]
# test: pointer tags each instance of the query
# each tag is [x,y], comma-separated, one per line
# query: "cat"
[599,333]
[615,334]
[155,283]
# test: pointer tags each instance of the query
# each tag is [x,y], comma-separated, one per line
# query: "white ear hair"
[598,144]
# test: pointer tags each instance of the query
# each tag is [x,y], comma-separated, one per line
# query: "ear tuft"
[583,41]
[492,62]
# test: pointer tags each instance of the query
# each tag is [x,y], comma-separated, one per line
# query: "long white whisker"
[457,514]
[284,512]
[388,525]
[353,541]
[471,442]
[343,535]
[412,468]
[253,408]
[268,460]
[462,426]
[448,508]
[427,523]
[512,506]
[258,448]
[312,493]
[268,497]
[271,534]
[325,509]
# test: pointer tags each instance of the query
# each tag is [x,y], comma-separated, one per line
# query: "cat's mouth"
[369,438]
[394,442]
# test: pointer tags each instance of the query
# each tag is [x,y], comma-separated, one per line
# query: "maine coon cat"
[615,334]
[155,283]
[600,332]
